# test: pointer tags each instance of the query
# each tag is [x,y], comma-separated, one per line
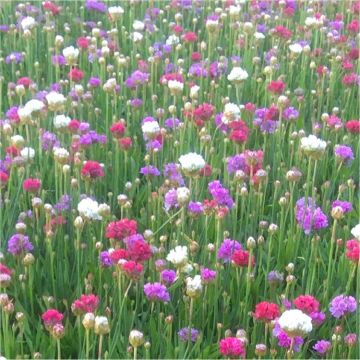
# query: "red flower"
[24,81]
[138,249]
[232,347]
[118,254]
[353,250]
[121,229]
[276,87]
[195,56]
[4,178]
[350,79]
[31,185]
[118,129]
[12,150]
[206,170]
[5,270]
[171,76]
[354,26]
[132,269]
[307,303]
[177,29]
[125,143]
[74,125]
[190,37]
[75,74]
[353,53]
[82,43]
[353,126]
[51,317]
[48,5]
[85,304]
[240,131]
[204,112]
[266,311]
[92,170]
[282,32]
[241,258]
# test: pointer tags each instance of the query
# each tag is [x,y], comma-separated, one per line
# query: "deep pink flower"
[232,347]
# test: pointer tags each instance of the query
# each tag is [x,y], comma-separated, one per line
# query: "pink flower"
[232,347]
[31,185]
[51,317]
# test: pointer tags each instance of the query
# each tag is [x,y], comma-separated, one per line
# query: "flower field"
[179,179]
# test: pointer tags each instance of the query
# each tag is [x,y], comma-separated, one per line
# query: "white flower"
[136,338]
[61,121]
[231,113]
[313,21]
[110,85]
[24,114]
[183,195]
[136,37]
[34,105]
[115,12]
[28,23]
[295,48]
[212,25]
[259,36]
[193,286]
[191,162]
[150,129]
[172,40]
[295,323]
[71,54]
[138,25]
[61,154]
[237,74]
[17,140]
[187,268]
[234,10]
[312,145]
[176,87]
[55,100]
[178,256]
[194,90]
[355,231]
[89,209]
[101,325]
[27,153]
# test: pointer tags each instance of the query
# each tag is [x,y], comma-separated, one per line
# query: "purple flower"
[153,145]
[198,70]
[284,340]
[94,82]
[322,346]
[310,217]
[345,205]
[220,194]
[342,305]
[172,123]
[344,153]
[275,277]
[184,334]
[15,57]
[219,123]
[317,318]
[195,208]
[168,276]
[172,173]
[96,6]
[64,203]
[156,292]
[170,199]
[227,248]
[149,170]
[136,103]
[290,113]
[18,244]
[207,275]
[235,163]
[136,78]
[105,259]
[58,60]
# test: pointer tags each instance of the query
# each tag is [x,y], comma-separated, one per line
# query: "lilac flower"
[64,203]
[4,28]
[290,113]
[105,259]
[227,248]
[235,163]
[342,305]
[136,78]
[311,217]
[195,208]
[170,199]
[184,334]
[58,60]
[344,153]
[322,346]
[18,244]
[345,205]
[15,57]
[149,170]
[136,103]
[96,6]
[172,123]
[198,70]
[168,276]
[317,317]
[94,82]
[207,275]
[275,277]
[172,173]
[219,123]
[156,292]
[153,145]
[284,340]
[220,194]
